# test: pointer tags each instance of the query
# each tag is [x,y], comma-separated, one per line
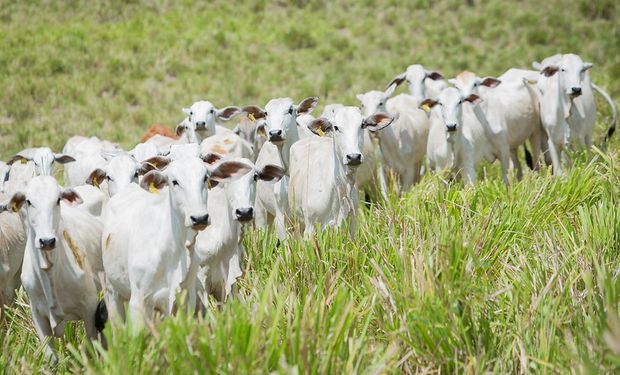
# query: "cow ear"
[71,197]
[307,105]
[96,177]
[360,97]
[435,76]
[550,70]
[388,92]
[536,65]
[187,111]
[427,104]
[320,126]
[452,81]
[154,181]
[254,112]
[211,158]
[260,130]
[229,170]
[63,158]
[227,113]
[397,80]
[271,173]
[156,162]
[377,121]
[586,66]
[15,203]
[181,127]
[17,157]
[473,98]
[490,82]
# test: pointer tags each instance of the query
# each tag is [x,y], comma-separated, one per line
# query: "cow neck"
[221,215]
[284,149]
[561,104]
[176,218]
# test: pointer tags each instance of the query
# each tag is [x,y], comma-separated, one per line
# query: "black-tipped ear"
[377,121]
[427,104]
[17,157]
[271,173]
[211,158]
[490,82]
[229,170]
[14,204]
[227,113]
[181,128]
[320,126]
[71,197]
[153,181]
[63,158]
[254,112]
[96,177]
[397,80]
[435,76]
[473,98]
[156,162]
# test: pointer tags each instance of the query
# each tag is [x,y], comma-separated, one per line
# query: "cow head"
[280,116]
[40,206]
[122,170]
[252,132]
[187,180]
[144,151]
[571,71]
[346,130]
[450,102]
[374,101]
[200,121]
[43,159]
[469,83]
[416,77]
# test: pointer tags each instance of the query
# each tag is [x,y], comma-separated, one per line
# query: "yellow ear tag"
[153,189]
[95,183]
[251,117]
[14,206]
[426,108]
[320,131]
[24,161]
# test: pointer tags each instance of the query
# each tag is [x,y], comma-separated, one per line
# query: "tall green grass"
[446,278]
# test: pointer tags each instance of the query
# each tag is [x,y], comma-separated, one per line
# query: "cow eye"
[191,113]
[265,114]
[255,176]
[290,111]
[58,201]
[336,128]
[175,182]
[563,70]
[108,178]
[136,174]
[380,103]
[28,202]
[212,110]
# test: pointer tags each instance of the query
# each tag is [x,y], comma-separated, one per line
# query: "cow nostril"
[275,133]
[47,243]
[202,220]
[244,214]
[576,90]
[451,127]
[354,159]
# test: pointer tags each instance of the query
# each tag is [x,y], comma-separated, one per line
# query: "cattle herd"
[168,216]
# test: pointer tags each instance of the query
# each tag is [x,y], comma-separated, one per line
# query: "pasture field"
[445,278]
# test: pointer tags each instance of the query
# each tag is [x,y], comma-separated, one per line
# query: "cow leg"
[115,305]
[44,331]
[555,157]
[535,142]
[280,224]
[383,187]
[137,313]
[517,163]
[504,159]
[261,216]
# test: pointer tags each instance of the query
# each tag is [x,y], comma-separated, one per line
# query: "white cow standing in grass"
[322,169]
[43,159]
[57,272]
[422,83]
[220,246]
[281,128]
[458,138]
[149,235]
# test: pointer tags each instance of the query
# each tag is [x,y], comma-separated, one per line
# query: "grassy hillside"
[446,278]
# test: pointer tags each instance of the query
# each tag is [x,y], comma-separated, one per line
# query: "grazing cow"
[220,246]
[402,145]
[458,138]
[423,83]
[43,159]
[322,169]
[574,98]
[200,121]
[57,273]
[511,112]
[149,266]
[281,128]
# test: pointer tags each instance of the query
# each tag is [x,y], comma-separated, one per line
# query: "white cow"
[575,97]
[144,151]
[511,112]
[200,121]
[252,132]
[43,159]
[88,155]
[422,83]
[220,246]
[282,132]
[458,138]
[57,273]
[12,243]
[229,144]
[402,145]
[322,169]
[149,234]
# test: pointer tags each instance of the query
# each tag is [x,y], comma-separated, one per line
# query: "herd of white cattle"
[168,216]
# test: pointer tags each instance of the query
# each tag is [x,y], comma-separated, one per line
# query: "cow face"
[123,170]
[450,103]
[200,121]
[416,77]
[346,129]
[40,205]
[469,83]
[374,101]
[280,116]
[571,70]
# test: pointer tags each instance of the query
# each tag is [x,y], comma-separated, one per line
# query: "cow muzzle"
[47,243]
[276,135]
[353,160]
[575,92]
[450,128]
[244,214]
[199,222]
